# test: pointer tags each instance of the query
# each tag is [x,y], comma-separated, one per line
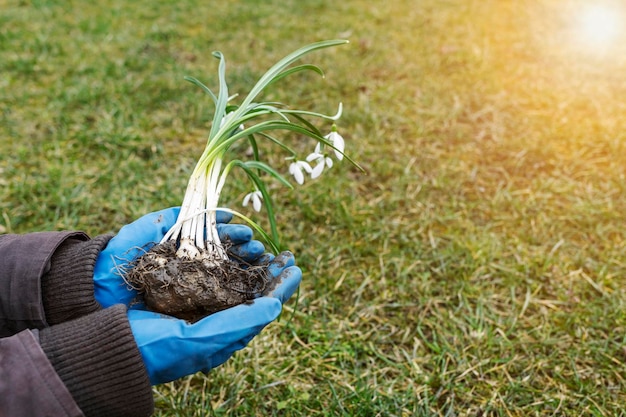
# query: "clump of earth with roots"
[191,289]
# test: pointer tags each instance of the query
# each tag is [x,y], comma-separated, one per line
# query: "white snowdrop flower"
[337,140]
[322,162]
[296,168]
[257,200]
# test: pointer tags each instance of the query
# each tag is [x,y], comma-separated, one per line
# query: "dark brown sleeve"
[29,385]
[24,259]
[67,288]
[99,362]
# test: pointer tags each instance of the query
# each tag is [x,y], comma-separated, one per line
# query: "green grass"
[476,269]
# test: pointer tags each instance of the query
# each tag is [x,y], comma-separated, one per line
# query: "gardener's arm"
[90,365]
[46,278]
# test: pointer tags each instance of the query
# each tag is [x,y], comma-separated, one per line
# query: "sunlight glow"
[600,25]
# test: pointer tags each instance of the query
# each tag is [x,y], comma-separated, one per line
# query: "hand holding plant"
[109,284]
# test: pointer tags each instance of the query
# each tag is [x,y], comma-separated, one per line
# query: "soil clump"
[193,289]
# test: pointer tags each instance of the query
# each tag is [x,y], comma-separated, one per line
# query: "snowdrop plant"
[251,121]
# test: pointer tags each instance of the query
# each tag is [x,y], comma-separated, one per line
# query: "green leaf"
[222,99]
[254,146]
[268,169]
[204,87]
[304,67]
[280,66]
[308,124]
[278,142]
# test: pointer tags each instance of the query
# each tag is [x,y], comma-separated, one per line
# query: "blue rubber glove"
[173,348]
[133,239]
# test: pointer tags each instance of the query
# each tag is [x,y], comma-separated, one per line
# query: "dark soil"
[192,289]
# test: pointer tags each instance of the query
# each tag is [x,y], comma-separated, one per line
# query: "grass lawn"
[477,268]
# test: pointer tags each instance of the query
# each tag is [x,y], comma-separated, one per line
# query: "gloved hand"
[133,239]
[173,348]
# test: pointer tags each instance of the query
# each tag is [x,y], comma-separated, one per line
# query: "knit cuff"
[98,360]
[67,288]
